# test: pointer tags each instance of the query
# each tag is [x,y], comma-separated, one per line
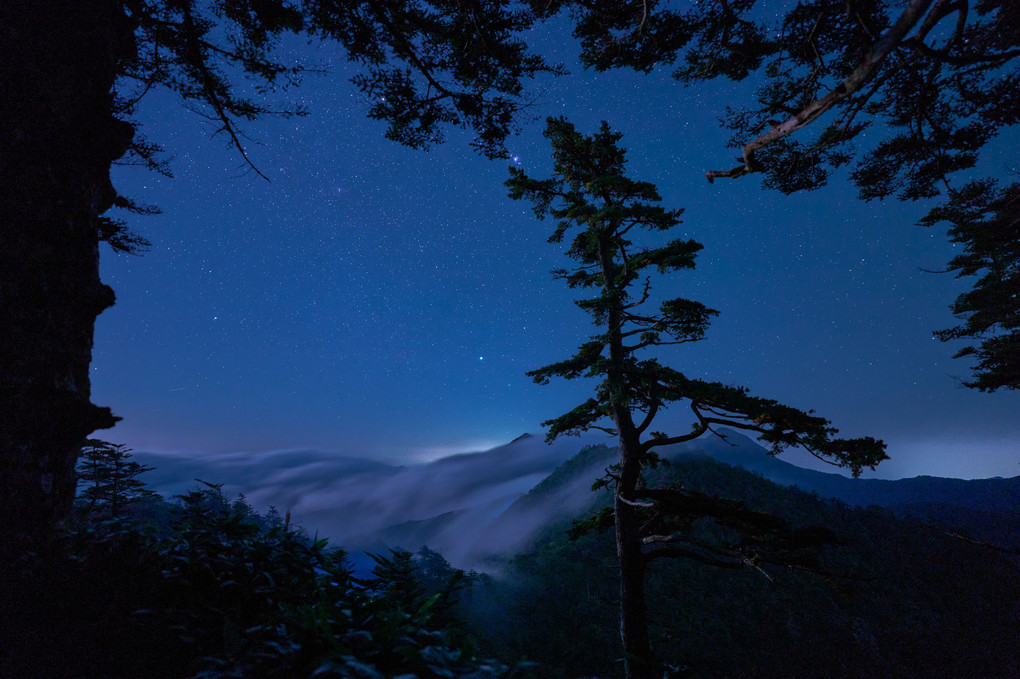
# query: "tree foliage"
[591,197]
[206,587]
[80,69]
[985,219]
[909,93]
[599,213]
[108,478]
[422,66]
[890,581]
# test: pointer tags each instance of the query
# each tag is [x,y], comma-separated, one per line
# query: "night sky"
[385,302]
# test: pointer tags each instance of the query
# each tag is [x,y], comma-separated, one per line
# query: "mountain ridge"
[471,506]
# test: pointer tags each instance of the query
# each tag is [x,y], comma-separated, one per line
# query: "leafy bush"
[206,587]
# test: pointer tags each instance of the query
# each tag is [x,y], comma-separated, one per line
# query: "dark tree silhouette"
[602,210]
[932,81]
[985,220]
[58,64]
[73,71]
[108,478]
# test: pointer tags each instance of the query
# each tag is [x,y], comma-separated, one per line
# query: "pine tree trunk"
[58,63]
[637,650]
[633,608]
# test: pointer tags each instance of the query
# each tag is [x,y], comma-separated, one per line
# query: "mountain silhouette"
[473,506]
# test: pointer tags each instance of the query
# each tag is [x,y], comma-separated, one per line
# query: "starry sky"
[385,302]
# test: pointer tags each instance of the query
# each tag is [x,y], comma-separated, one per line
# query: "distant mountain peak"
[523,437]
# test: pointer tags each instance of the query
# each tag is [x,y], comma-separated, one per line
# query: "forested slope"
[892,597]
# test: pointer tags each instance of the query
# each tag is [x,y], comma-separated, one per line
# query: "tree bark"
[637,649]
[58,63]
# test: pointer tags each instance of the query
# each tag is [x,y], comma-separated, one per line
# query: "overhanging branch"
[861,75]
[687,552]
[195,53]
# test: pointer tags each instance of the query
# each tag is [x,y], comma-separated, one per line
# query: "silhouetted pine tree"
[600,211]
[108,478]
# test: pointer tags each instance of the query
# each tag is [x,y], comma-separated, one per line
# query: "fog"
[454,502]
[473,506]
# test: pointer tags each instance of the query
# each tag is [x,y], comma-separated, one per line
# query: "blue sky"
[386,302]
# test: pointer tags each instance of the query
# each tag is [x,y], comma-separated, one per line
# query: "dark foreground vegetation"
[885,597]
[204,586]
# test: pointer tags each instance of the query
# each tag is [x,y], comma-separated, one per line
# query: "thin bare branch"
[198,60]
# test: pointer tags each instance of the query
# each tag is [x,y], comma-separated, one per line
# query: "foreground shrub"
[207,587]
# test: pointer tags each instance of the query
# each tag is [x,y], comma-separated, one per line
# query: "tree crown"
[933,81]
[600,207]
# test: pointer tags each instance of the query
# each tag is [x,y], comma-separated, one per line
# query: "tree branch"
[687,552]
[861,75]
[652,410]
[198,60]
[635,503]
